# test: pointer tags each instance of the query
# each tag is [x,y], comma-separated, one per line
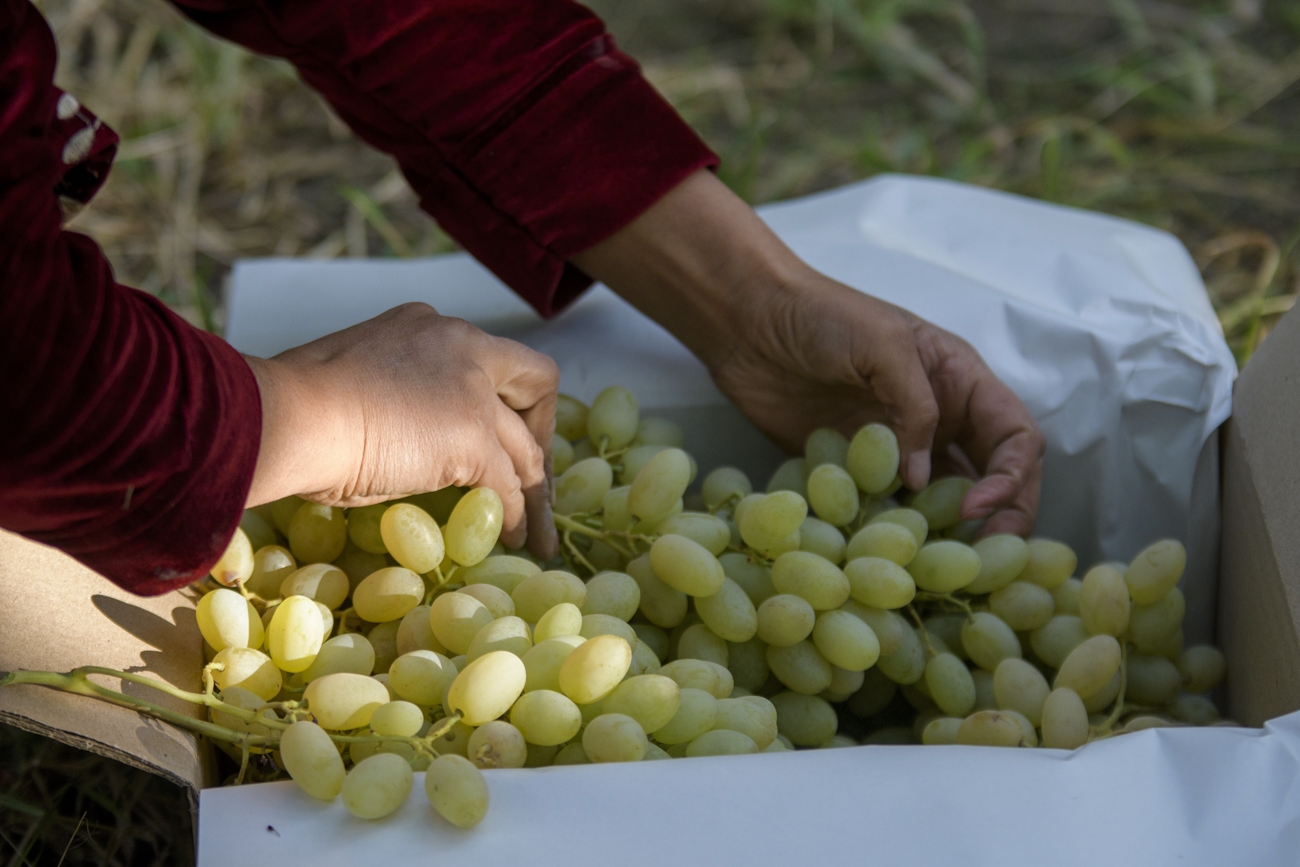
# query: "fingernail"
[918,469]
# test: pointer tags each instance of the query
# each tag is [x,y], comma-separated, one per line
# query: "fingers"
[496,470]
[1018,517]
[902,385]
[532,467]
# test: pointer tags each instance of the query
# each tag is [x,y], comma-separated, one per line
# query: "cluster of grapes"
[822,612]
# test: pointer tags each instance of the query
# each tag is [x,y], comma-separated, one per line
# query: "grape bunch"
[822,612]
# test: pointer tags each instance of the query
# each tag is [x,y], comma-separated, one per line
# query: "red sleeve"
[525,132]
[128,438]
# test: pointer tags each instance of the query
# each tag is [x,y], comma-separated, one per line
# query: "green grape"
[613,418]
[538,594]
[377,786]
[1064,720]
[271,565]
[723,484]
[832,494]
[388,594]
[813,578]
[843,684]
[383,638]
[820,538]
[1104,697]
[1050,563]
[754,578]
[768,523]
[282,512]
[1155,571]
[1020,687]
[570,418]
[561,454]
[948,628]
[1151,680]
[635,460]
[542,662]
[1150,626]
[884,540]
[700,674]
[685,565]
[572,754]
[259,530]
[399,719]
[659,431]
[474,526]
[545,717]
[456,618]
[659,484]
[487,687]
[800,667]
[1066,596]
[496,600]
[456,740]
[988,640]
[505,633]
[1089,666]
[227,619]
[412,537]
[709,531]
[662,605]
[246,668]
[729,613]
[650,699]
[911,519]
[614,737]
[880,583]
[457,790]
[985,697]
[295,634]
[614,593]
[499,570]
[950,684]
[322,582]
[845,641]
[785,620]
[1104,604]
[343,700]
[721,742]
[654,638]
[438,504]
[875,694]
[990,728]
[317,533]
[700,642]
[945,566]
[497,744]
[1002,558]
[940,501]
[312,760]
[1195,710]
[872,458]
[363,528]
[752,716]
[905,665]
[1022,606]
[696,714]
[1053,641]
[647,528]
[887,625]
[747,662]
[826,446]
[594,668]
[1202,668]
[605,624]
[790,476]
[236,563]
[806,720]
[1029,736]
[941,731]
[562,619]
[349,652]
[358,564]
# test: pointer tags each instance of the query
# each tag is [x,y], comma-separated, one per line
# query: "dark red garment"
[128,438]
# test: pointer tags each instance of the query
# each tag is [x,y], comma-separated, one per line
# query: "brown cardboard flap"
[56,615]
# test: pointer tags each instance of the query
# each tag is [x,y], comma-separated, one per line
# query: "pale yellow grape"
[637,458]
[546,717]
[653,637]
[843,684]
[754,578]
[570,417]
[911,519]
[723,484]
[613,418]
[399,719]
[800,667]
[1104,697]
[879,582]
[227,619]
[456,740]
[813,578]
[905,665]
[721,742]
[662,605]
[537,594]
[591,710]
[990,728]
[383,638]
[487,687]
[383,678]
[349,652]
[295,634]
[872,458]
[377,786]
[505,633]
[697,712]
[700,674]
[651,527]
[1202,668]
[1021,687]
[1196,710]
[659,484]
[1104,604]
[1050,563]
[249,669]
[542,662]
[806,720]
[944,566]
[562,619]
[1150,626]
[1066,596]
[614,593]
[323,582]
[832,494]
[499,570]
[271,565]
[887,541]
[614,737]
[845,641]
[950,684]
[1089,666]
[497,744]
[363,528]
[888,625]
[700,642]
[1022,606]
[1064,720]
[605,624]
[497,600]
[988,640]
[412,537]
[820,538]
[317,533]
[358,564]
[326,618]
[236,563]
[1053,641]
[729,613]
[573,754]
[594,668]
[474,526]
[456,618]
[686,565]
[791,476]
[739,510]
[1002,558]
[752,716]
[644,661]
[709,531]
[768,523]
[1151,680]
[985,698]
[940,501]
[388,594]
[561,454]
[344,700]
[457,790]
[826,446]
[650,699]
[941,731]
[785,620]
[312,760]
[1155,571]
[1029,735]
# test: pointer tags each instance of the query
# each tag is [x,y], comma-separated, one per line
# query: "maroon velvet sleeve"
[128,438]
[525,132]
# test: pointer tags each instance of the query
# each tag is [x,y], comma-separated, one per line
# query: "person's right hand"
[405,403]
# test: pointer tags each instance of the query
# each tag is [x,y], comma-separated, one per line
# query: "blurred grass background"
[1184,115]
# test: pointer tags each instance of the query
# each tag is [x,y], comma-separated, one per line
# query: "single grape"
[723,484]
[605,624]
[700,674]
[538,594]
[1064,720]
[1089,666]
[542,663]
[343,700]
[505,633]
[700,642]
[880,583]
[1002,558]
[729,613]
[613,418]
[487,687]
[1202,667]
[806,720]
[950,684]
[399,719]
[499,570]
[545,717]
[710,531]
[913,520]
[1151,626]
[325,583]
[1151,680]
[317,533]
[754,578]
[945,566]
[752,716]
[1104,604]
[990,728]
[812,578]
[614,593]
[721,742]
[570,417]
[497,601]
[892,542]
[497,744]
[1020,687]
[872,458]
[249,669]
[1022,606]
[792,476]
[1053,641]
[363,528]
[845,641]
[988,640]
[906,664]
[562,619]
[685,565]
[696,714]
[412,537]
[312,760]
[659,485]
[457,790]
[383,638]
[1155,571]
[1050,563]
[236,563]
[456,618]
[295,634]
[226,619]
[377,786]
[349,652]
[820,538]
[614,737]
[832,494]
[259,530]
[594,668]
[800,667]
[388,595]
[271,565]
[561,454]
[474,526]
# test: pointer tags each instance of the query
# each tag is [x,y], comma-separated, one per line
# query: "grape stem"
[926,596]
[925,633]
[1116,712]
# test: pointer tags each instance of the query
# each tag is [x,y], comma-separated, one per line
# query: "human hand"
[410,402]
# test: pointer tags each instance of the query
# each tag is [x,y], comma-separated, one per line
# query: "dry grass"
[1184,115]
